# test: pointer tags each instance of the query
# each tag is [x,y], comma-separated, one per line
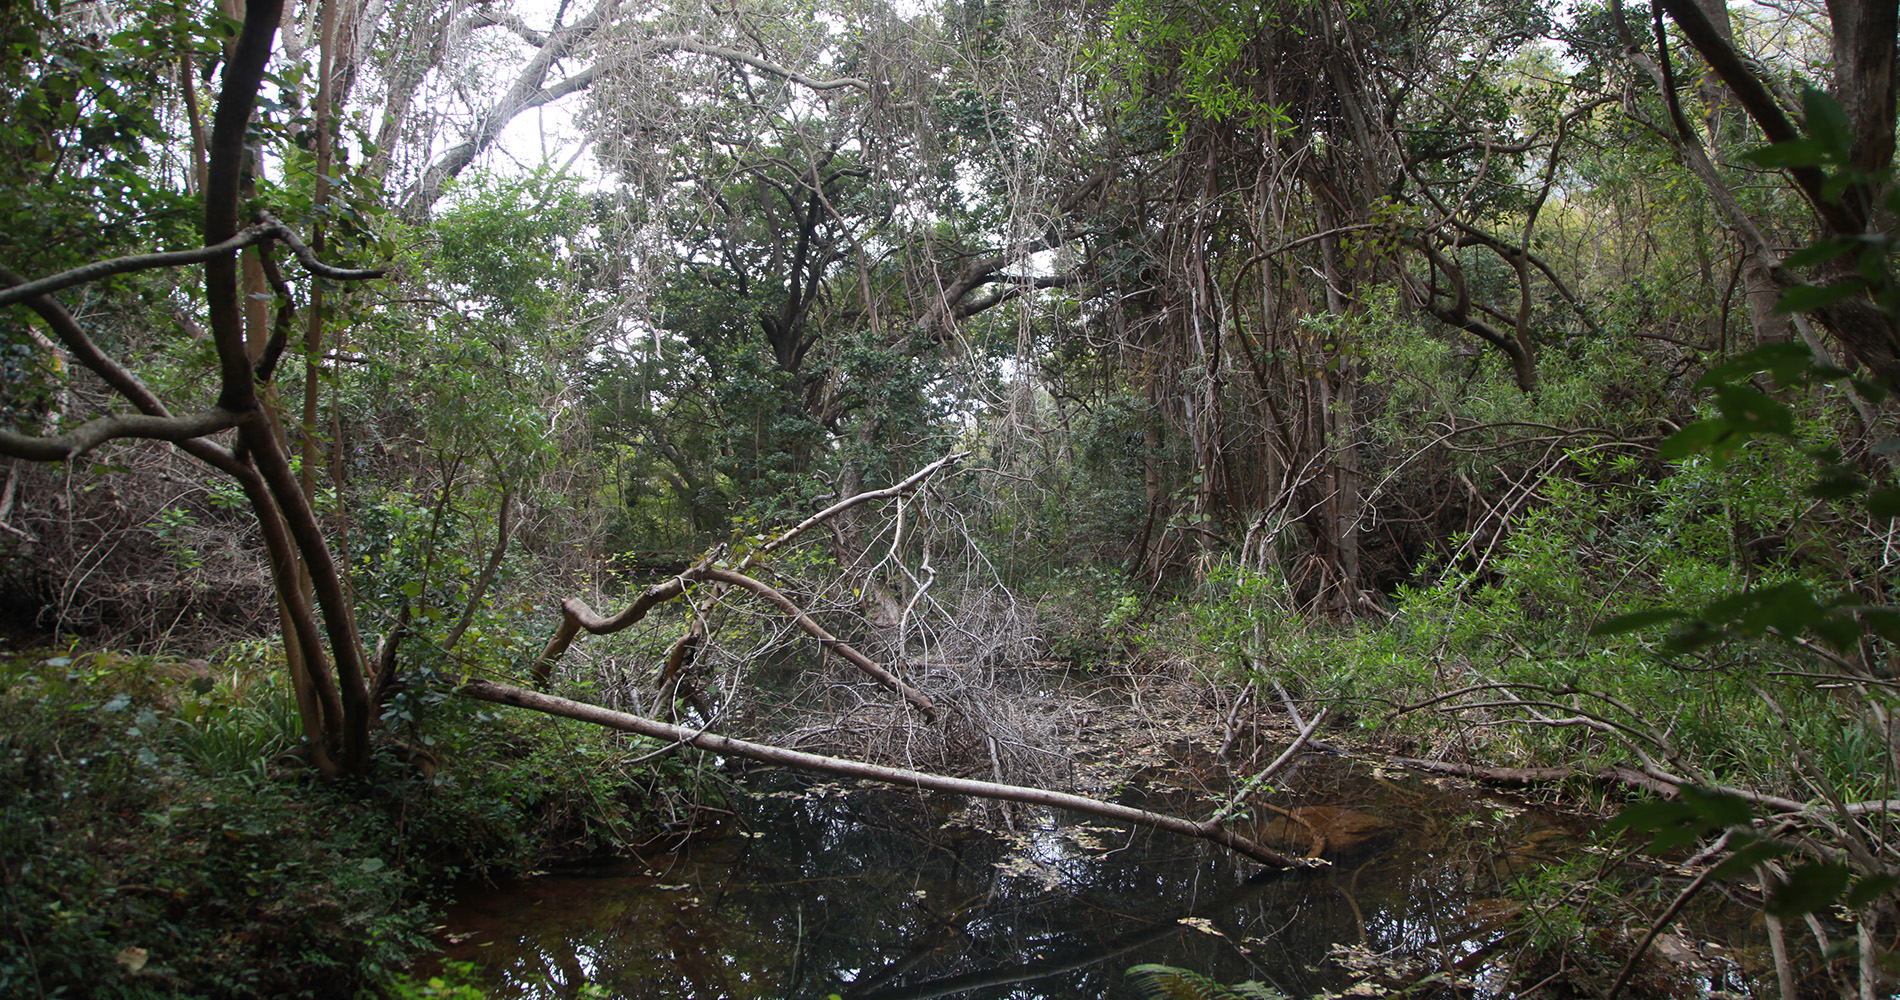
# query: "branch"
[98,431]
[527,91]
[269,229]
[86,273]
[726,746]
[826,639]
[1760,105]
[224,178]
[909,483]
[576,615]
[490,19]
[308,257]
[87,353]
[685,43]
[1012,286]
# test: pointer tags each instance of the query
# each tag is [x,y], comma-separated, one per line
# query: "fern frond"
[1165,982]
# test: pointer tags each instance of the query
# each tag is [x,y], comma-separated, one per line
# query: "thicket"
[1358,349]
[161,836]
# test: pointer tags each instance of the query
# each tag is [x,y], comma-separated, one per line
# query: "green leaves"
[1789,610]
[1811,298]
[1829,142]
[1828,148]
[1788,364]
[1745,412]
[1693,814]
[1638,621]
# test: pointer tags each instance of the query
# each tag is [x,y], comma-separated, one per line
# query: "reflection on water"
[880,893]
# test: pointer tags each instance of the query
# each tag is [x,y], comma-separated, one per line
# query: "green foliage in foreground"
[159,837]
[1165,982]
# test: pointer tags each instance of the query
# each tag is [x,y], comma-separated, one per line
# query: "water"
[818,888]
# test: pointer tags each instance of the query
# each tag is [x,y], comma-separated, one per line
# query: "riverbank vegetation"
[1506,388]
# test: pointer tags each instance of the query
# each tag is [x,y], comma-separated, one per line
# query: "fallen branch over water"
[1522,776]
[728,747]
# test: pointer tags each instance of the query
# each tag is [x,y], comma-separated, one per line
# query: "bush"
[159,836]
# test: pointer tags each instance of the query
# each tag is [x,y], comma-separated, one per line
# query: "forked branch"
[576,616]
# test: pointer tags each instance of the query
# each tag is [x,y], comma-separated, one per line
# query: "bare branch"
[521,95]
[829,641]
[504,19]
[909,483]
[98,431]
[86,273]
[577,616]
[686,43]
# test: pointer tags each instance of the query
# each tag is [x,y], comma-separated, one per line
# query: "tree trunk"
[729,747]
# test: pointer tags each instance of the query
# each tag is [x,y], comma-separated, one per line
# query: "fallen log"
[726,746]
[1525,776]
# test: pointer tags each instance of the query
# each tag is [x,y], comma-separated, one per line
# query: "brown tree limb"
[265,367]
[576,616]
[1760,105]
[76,341]
[727,746]
[86,273]
[98,431]
[339,618]
[826,639]
[249,236]
[308,257]
[323,697]
[244,67]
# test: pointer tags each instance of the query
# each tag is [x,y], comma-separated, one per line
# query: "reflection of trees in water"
[865,895]
[979,931]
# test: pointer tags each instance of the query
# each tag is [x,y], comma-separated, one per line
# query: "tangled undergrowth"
[160,837]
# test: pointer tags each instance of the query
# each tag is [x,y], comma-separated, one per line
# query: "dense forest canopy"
[1387,348]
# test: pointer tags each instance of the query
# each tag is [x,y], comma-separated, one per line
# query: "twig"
[1682,899]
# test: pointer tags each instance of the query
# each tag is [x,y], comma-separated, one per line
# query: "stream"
[872,893]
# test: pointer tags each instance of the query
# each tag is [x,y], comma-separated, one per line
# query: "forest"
[443,437]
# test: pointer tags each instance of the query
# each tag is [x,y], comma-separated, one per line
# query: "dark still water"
[864,892]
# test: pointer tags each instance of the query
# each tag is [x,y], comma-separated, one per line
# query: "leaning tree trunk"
[726,746]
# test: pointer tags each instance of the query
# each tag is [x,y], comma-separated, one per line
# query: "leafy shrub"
[158,835]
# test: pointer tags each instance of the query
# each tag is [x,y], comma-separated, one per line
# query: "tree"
[331,676]
[1854,139]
